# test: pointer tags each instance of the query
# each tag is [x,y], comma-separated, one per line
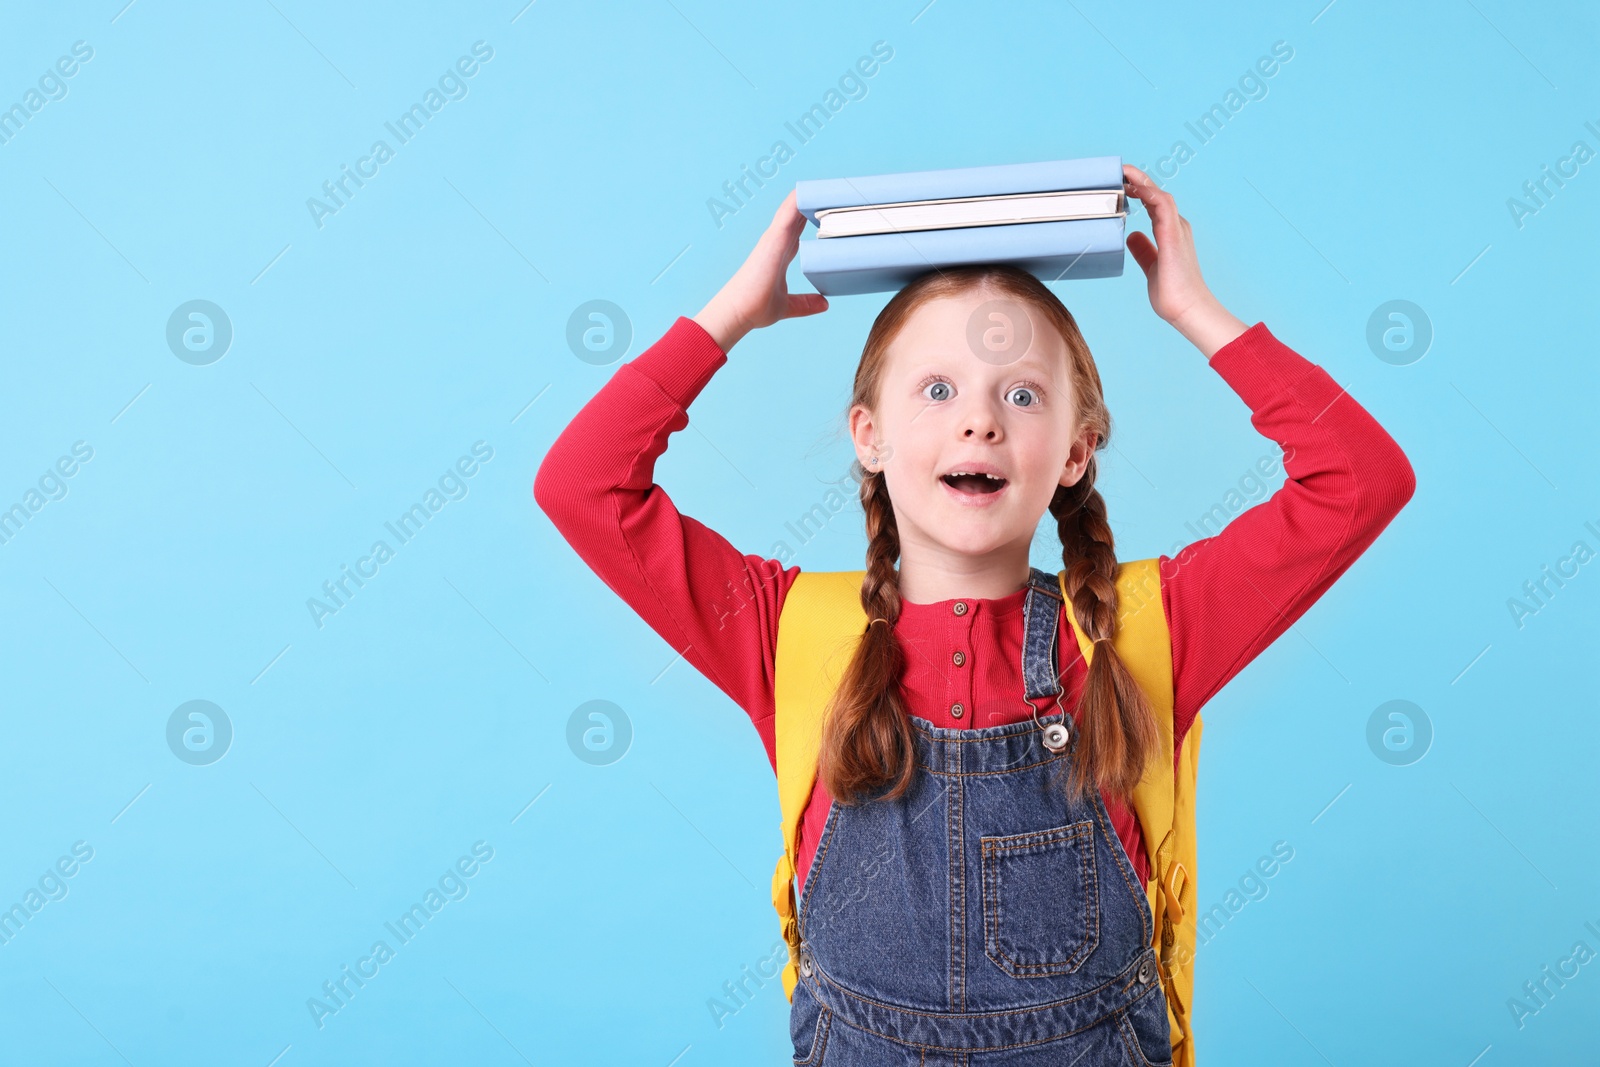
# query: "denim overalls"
[982,918]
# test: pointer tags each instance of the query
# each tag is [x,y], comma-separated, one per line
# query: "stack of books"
[1062,219]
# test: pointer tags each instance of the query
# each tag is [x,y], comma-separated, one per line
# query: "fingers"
[783,234]
[1131,171]
[1144,253]
[1163,210]
[1142,185]
[787,220]
[806,304]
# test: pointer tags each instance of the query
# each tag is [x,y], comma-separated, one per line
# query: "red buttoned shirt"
[1227,596]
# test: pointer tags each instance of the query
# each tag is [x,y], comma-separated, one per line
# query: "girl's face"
[976,383]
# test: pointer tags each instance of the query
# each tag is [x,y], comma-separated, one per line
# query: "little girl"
[960,453]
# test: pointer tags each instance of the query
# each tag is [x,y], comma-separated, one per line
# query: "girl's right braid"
[867,740]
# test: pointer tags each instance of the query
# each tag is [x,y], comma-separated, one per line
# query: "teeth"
[991,477]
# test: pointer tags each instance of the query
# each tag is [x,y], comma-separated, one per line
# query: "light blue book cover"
[1090,172]
[882,262]
[873,263]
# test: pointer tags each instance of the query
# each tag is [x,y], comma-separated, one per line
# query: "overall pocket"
[1145,1032]
[809,1023]
[1041,913]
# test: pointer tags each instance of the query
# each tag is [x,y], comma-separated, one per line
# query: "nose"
[980,421]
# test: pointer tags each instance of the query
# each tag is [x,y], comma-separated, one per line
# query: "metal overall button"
[1058,735]
[1147,971]
[805,961]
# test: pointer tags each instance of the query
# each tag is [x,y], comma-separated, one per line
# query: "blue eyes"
[1030,393]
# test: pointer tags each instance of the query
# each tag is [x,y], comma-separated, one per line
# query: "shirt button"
[960,658]
[960,608]
[955,710]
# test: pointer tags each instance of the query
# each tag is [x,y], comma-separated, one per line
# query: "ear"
[1078,457]
[862,432]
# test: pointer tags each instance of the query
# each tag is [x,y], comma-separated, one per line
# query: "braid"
[866,737]
[1116,725]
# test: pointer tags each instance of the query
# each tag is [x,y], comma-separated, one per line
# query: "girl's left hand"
[1176,288]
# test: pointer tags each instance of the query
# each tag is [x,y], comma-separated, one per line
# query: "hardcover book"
[1063,219]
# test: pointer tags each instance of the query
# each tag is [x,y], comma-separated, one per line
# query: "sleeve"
[716,607]
[1230,595]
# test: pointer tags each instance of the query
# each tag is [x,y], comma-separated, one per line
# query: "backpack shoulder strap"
[1163,801]
[1145,646]
[818,628]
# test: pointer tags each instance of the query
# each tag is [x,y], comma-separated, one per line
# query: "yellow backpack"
[818,628]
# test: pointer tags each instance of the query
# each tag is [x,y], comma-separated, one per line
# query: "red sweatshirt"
[1227,596]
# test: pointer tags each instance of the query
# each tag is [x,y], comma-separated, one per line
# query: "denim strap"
[1041,613]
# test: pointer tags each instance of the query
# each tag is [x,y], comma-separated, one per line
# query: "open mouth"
[974,484]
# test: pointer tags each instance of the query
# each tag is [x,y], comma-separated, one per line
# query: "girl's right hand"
[758,293]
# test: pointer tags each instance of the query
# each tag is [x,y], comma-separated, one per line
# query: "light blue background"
[431,312]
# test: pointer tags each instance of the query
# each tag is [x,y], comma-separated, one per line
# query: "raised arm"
[711,603]
[1230,595]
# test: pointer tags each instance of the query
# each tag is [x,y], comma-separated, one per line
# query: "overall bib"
[983,918]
